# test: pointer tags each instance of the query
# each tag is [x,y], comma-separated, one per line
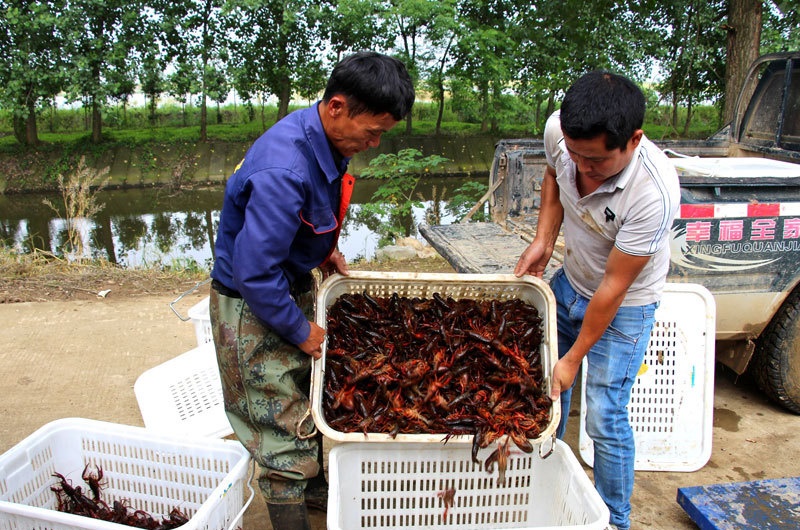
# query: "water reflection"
[145,227]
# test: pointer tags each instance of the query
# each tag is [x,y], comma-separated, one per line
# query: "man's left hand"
[564,373]
[335,263]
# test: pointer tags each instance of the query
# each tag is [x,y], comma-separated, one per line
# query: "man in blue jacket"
[281,216]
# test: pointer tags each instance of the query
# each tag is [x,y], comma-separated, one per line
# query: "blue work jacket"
[279,219]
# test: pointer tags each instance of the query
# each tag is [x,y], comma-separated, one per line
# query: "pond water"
[147,227]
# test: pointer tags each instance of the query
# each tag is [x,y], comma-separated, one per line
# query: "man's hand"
[564,373]
[533,260]
[335,263]
[313,344]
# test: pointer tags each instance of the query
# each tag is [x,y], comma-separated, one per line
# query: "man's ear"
[636,138]
[337,105]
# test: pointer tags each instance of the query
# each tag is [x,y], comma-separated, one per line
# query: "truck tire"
[776,360]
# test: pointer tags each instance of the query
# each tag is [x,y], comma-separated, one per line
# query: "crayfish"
[72,499]
[438,366]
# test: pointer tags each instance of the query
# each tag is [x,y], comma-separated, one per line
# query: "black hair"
[373,83]
[601,102]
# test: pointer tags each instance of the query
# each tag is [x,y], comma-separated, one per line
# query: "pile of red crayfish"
[72,499]
[456,367]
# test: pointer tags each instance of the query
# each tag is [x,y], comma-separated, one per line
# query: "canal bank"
[181,164]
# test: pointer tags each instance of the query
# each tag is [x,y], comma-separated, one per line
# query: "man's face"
[597,163]
[351,135]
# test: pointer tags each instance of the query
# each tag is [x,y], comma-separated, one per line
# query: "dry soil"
[80,355]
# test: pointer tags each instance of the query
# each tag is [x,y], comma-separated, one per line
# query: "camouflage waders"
[265,382]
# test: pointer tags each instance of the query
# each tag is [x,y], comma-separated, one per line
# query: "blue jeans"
[614,362]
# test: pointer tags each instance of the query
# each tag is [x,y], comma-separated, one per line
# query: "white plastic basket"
[400,485]
[423,285]
[201,320]
[203,478]
[183,396]
[672,402]
[198,314]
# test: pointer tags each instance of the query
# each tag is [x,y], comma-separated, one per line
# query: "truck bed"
[476,247]
[486,248]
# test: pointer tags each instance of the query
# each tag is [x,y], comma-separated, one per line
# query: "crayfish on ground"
[73,499]
[436,365]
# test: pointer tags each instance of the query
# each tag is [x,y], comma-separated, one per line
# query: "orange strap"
[348,183]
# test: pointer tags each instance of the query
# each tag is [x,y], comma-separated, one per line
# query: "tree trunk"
[551,106]
[674,119]
[440,113]
[440,85]
[152,105]
[203,117]
[283,99]
[97,122]
[484,108]
[19,128]
[496,92]
[744,38]
[31,132]
[688,122]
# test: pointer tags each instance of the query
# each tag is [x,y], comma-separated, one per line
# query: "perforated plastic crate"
[403,485]
[672,401]
[183,396]
[204,478]
[199,315]
[423,285]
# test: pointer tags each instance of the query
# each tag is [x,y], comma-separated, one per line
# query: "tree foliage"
[468,56]
[32,74]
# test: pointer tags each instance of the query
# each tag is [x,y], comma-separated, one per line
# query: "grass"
[42,276]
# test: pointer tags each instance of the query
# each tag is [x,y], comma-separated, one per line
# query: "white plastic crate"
[423,285]
[401,485]
[672,401]
[183,396]
[203,478]
[199,315]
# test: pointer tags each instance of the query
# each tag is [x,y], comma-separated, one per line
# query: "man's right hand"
[533,260]
[313,344]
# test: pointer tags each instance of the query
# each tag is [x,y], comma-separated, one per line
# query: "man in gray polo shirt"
[616,195]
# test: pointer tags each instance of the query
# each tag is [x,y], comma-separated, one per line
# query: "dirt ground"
[79,355]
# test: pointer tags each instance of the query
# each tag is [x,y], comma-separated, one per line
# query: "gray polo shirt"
[632,211]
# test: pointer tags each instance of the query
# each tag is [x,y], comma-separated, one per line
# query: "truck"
[737,232]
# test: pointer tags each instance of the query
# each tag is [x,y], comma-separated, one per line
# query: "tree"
[485,51]
[781,18]
[183,84]
[202,48]
[284,38]
[743,47]
[30,38]
[417,25]
[99,36]
[353,25]
[152,82]
[692,54]
[441,35]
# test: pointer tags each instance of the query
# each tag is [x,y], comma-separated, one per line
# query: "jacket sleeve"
[272,219]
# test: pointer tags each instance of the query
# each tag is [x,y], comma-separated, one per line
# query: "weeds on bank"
[79,197]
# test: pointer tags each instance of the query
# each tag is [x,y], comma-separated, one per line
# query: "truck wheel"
[776,360]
